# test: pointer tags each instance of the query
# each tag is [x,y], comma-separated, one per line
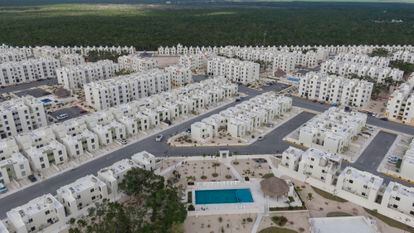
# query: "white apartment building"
[43,214]
[332,130]
[75,76]
[407,163]
[12,55]
[312,164]
[194,61]
[27,71]
[347,69]
[179,75]
[112,176]
[399,197]
[82,194]
[106,127]
[20,115]
[14,167]
[76,137]
[363,59]
[403,55]
[3,228]
[359,183]
[243,118]
[123,89]
[335,89]
[72,59]
[42,149]
[237,71]
[145,160]
[400,103]
[135,62]
[320,165]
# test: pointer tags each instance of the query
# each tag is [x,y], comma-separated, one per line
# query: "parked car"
[159,138]
[260,138]
[62,116]
[3,188]
[32,178]
[123,141]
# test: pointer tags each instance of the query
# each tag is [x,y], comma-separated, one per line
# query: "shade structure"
[274,187]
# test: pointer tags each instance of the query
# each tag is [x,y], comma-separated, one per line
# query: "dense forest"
[148,26]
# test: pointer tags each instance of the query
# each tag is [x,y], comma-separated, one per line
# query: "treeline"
[149,28]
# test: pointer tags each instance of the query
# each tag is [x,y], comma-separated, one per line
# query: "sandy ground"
[213,224]
[251,168]
[204,171]
[297,221]
[166,61]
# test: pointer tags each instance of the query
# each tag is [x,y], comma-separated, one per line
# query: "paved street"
[25,86]
[272,143]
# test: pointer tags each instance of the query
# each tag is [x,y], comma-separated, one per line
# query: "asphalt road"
[25,86]
[272,143]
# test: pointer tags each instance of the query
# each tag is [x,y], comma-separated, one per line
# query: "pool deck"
[259,205]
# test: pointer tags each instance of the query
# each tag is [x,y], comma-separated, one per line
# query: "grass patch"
[338,214]
[328,195]
[389,221]
[277,230]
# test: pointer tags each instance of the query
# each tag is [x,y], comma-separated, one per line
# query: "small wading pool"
[223,196]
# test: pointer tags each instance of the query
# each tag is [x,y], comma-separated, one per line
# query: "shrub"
[191,207]
[280,220]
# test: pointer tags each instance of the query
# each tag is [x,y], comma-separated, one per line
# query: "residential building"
[399,197]
[42,149]
[20,115]
[72,59]
[400,103]
[320,165]
[335,90]
[359,183]
[242,119]
[42,214]
[14,168]
[145,160]
[76,76]
[179,75]
[135,62]
[236,71]
[112,176]
[30,70]
[106,127]
[82,194]
[76,137]
[123,89]
[350,69]
[332,130]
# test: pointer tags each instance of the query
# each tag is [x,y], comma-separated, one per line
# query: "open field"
[148,26]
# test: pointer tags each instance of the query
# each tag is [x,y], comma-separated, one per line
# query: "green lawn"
[277,230]
[148,27]
[328,195]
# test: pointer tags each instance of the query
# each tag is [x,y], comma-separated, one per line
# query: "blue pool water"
[46,101]
[221,196]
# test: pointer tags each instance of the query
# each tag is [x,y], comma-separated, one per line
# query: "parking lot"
[35,92]
[66,113]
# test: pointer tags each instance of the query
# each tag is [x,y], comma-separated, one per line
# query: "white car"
[123,141]
[62,116]
[159,138]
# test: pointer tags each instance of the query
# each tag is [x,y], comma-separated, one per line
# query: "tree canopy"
[153,206]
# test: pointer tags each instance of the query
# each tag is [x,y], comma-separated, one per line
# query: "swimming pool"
[223,196]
